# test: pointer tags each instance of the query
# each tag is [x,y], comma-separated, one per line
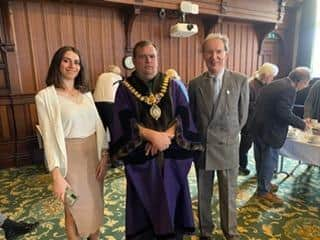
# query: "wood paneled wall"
[39,28]
[243,55]
[42,27]
[257,10]
[7,133]
[182,54]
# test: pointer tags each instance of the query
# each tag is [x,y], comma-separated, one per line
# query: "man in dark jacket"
[269,127]
[312,103]
[261,78]
[302,94]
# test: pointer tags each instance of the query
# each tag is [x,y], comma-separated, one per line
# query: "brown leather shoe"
[271,197]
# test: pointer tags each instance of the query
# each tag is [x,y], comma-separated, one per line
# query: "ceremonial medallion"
[155,112]
[152,99]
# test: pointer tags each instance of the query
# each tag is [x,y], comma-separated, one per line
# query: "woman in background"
[75,143]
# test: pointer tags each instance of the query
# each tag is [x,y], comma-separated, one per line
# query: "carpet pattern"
[25,194]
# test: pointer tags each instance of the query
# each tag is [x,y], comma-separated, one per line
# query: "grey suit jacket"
[219,123]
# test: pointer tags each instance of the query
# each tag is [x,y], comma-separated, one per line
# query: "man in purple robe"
[153,133]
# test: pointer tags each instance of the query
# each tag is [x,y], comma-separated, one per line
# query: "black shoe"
[244,171]
[14,229]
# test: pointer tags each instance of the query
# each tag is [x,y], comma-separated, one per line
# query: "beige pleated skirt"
[82,163]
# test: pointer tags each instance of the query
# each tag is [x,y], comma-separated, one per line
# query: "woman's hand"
[59,184]
[102,167]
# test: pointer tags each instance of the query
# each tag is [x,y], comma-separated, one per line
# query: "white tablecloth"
[305,152]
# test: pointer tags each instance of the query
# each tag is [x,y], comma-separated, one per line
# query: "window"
[315,63]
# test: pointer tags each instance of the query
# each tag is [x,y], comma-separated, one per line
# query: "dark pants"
[245,145]
[266,161]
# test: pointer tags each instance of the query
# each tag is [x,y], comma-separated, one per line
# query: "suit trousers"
[227,182]
[266,159]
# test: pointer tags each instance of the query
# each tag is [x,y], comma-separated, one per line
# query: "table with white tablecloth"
[304,152]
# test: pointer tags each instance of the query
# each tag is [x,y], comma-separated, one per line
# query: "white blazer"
[50,122]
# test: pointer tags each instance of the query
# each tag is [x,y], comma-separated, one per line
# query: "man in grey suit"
[219,101]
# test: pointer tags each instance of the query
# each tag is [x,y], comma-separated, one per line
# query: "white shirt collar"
[219,76]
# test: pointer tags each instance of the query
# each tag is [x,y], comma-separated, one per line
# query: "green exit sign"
[273,36]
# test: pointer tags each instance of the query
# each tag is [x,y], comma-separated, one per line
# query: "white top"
[106,87]
[78,119]
[49,114]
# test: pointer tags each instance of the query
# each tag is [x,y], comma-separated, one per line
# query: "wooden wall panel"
[185,54]
[42,27]
[17,136]
[272,52]
[99,34]
[3,83]
[51,30]
[257,10]
[4,123]
[26,142]
[23,48]
[182,54]
[7,154]
[243,55]
[7,133]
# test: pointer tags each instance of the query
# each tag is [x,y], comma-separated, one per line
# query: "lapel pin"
[228,92]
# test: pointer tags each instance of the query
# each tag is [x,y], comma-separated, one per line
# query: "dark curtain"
[306,32]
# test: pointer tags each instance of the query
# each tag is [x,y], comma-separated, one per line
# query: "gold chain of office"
[152,99]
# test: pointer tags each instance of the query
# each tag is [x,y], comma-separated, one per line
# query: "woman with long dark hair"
[75,143]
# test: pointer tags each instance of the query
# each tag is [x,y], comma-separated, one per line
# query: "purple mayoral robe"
[158,197]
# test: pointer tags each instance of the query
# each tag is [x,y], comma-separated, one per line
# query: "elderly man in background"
[312,103]
[105,91]
[269,127]
[219,103]
[261,78]
[302,97]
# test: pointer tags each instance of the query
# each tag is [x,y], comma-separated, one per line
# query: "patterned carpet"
[26,194]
